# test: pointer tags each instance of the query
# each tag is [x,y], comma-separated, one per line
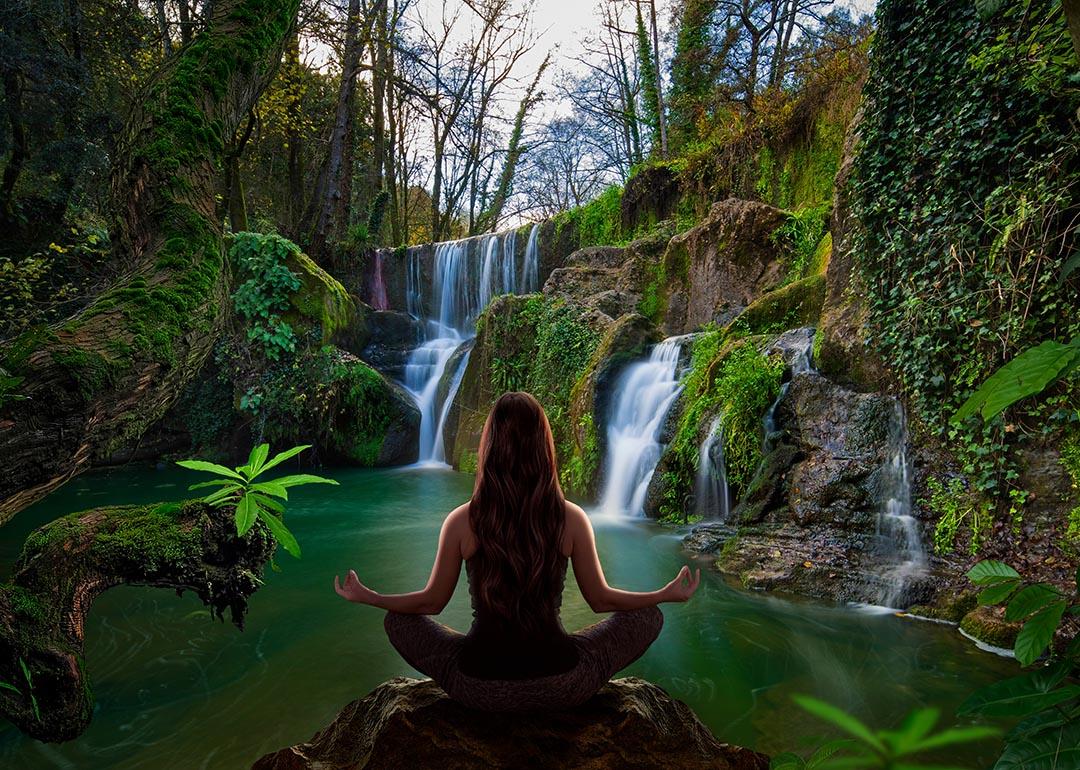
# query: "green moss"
[728,378]
[797,304]
[987,625]
[467,463]
[92,371]
[321,297]
[148,535]
[366,398]
[26,605]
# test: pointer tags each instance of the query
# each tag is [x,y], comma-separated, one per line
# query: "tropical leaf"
[841,719]
[1032,599]
[989,572]
[998,592]
[246,511]
[826,751]
[271,488]
[1054,750]
[268,502]
[787,761]
[302,478]
[257,458]
[222,496]
[283,456]
[915,726]
[280,533]
[1021,695]
[1037,723]
[213,483]
[7,686]
[203,465]
[955,735]
[1037,633]
[1027,374]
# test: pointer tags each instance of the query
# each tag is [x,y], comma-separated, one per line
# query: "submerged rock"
[405,722]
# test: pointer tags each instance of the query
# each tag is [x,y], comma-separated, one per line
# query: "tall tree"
[84,386]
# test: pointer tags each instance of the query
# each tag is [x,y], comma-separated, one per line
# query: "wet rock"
[988,625]
[723,264]
[404,722]
[392,337]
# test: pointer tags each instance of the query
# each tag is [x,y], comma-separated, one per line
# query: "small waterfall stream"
[644,394]
[712,497]
[897,528]
[466,275]
[530,280]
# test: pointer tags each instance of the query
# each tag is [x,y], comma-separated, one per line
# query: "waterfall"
[797,346]
[711,493]
[897,529]
[530,280]
[438,453]
[379,300]
[644,394]
[466,275]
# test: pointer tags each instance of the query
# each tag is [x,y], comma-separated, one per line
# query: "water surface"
[175,689]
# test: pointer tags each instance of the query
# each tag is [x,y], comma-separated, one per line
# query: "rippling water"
[175,689]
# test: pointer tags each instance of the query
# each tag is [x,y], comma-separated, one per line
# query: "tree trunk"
[1072,18]
[659,83]
[13,93]
[65,565]
[85,386]
[326,202]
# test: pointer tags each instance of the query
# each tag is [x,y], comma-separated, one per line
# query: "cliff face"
[629,724]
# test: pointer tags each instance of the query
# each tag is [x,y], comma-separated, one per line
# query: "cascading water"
[799,356]
[897,529]
[712,498]
[530,280]
[379,300]
[645,393]
[466,275]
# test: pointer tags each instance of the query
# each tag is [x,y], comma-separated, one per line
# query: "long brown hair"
[518,514]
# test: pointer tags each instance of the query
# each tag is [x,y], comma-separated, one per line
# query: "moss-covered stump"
[629,724]
[97,380]
[65,565]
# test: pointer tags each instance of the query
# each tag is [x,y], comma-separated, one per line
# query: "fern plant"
[263,500]
[886,749]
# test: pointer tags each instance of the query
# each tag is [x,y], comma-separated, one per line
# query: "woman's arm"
[590,575]
[440,585]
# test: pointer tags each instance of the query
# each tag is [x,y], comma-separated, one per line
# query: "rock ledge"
[405,722]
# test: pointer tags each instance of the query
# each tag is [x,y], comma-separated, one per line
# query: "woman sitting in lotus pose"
[516,536]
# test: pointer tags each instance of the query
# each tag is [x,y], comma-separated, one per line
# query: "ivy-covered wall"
[964,186]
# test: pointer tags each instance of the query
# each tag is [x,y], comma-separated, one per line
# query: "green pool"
[175,689]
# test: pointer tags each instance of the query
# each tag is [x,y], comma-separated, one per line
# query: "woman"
[516,535]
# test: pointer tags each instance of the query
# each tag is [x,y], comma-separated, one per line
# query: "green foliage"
[1070,458]
[29,679]
[964,198]
[801,234]
[731,379]
[266,289]
[598,222]
[1028,374]
[956,506]
[255,500]
[1040,606]
[887,749]
[1046,699]
[692,69]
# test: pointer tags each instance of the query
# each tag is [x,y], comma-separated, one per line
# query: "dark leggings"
[603,649]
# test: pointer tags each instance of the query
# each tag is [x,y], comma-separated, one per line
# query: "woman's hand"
[683,586]
[354,590]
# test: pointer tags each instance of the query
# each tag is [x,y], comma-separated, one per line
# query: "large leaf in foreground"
[1054,750]
[1021,695]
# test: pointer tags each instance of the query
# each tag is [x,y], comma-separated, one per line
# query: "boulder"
[405,722]
[392,337]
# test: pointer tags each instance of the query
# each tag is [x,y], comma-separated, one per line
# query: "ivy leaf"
[989,8]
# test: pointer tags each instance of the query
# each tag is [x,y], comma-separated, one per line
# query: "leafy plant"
[888,749]
[264,294]
[956,506]
[1045,700]
[29,688]
[255,499]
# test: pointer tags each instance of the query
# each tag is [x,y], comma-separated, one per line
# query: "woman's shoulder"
[575,516]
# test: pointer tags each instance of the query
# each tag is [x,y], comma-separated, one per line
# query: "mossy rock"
[988,625]
[948,606]
[797,304]
[376,422]
[320,299]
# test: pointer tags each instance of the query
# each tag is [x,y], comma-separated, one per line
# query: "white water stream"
[712,497]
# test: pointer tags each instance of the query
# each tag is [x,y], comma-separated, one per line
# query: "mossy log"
[87,385]
[65,565]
